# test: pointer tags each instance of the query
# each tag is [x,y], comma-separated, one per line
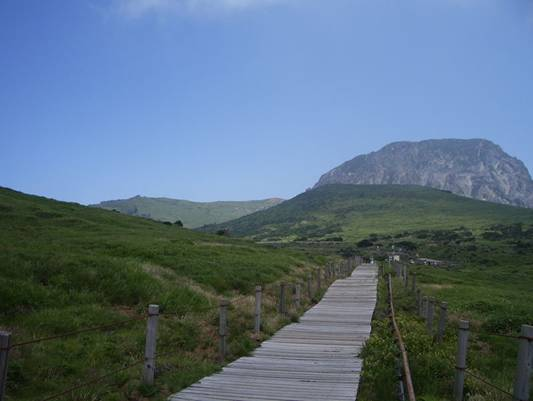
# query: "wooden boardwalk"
[315,359]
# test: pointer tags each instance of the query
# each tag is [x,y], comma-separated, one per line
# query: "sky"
[247,99]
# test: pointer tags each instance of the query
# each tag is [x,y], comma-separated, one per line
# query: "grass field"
[64,267]
[352,212]
[191,214]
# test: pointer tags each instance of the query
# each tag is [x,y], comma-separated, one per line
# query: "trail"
[313,360]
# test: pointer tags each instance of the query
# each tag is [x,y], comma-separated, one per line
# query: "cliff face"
[474,168]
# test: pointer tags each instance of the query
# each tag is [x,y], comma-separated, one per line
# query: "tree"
[179,223]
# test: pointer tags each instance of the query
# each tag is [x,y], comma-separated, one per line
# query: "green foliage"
[65,267]
[487,282]
[354,212]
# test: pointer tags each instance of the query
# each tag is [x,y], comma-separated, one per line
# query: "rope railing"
[405,359]
[323,277]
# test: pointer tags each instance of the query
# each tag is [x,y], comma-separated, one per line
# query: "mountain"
[66,267]
[475,168]
[353,212]
[192,214]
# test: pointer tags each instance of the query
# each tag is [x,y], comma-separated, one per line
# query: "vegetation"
[354,212]
[486,280]
[64,267]
[191,214]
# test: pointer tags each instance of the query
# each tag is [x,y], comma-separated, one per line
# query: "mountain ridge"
[192,214]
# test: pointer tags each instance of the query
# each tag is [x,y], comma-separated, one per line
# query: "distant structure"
[430,262]
[395,257]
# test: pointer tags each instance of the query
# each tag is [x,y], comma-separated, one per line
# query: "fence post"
[258,296]
[460,362]
[524,364]
[413,284]
[282,307]
[223,328]
[405,276]
[419,302]
[5,343]
[309,289]
[319,279]
[430,315]
[297,295]
[443,316]
[399,375]
[425,307]
[151,344]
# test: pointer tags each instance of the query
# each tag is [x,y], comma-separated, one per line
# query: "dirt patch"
[438,286]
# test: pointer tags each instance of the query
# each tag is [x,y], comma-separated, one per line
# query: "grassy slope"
[65,267]
[355,211]
[192,214]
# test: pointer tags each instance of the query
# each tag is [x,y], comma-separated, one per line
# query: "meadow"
[65,267]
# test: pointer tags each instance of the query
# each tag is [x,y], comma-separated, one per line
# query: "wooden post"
[413,284]
[524,364]
[297,295]
[419,302]
[443,316]
[282,307]
[258,296]
[5,343]
[430,315]
[405,276]
[150,345]
[309,288]
[460,362]
[319,279]
[223,328]
[424,307]
[399,375]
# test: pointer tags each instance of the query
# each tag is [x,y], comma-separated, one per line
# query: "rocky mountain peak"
[475,168]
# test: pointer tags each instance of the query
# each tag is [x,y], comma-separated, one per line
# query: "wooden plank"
[315,359]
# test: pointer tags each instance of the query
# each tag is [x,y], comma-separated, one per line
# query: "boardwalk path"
[315,359]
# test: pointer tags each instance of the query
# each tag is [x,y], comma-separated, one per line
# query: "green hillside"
[353,212]
[191,214]
[64,267]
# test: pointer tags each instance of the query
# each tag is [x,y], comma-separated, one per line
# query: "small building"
[394,258]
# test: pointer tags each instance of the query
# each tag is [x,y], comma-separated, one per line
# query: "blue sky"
[244,99]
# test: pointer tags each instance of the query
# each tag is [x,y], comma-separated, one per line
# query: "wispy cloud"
[137,8]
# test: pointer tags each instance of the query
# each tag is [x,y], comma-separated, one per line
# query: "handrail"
[403,351]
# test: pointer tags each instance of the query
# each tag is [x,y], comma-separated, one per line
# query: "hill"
[191,214]
[65,267]
[475,168]
[353,212]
